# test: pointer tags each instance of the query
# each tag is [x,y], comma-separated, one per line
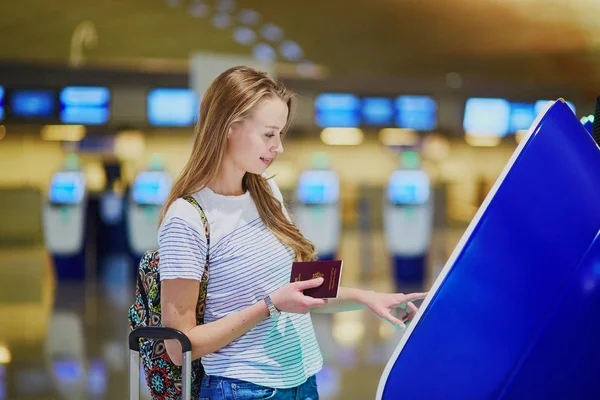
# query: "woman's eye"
[270,135]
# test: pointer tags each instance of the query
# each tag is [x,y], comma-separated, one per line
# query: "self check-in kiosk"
[148,194]
[64,221]
[317,210]
[407,222]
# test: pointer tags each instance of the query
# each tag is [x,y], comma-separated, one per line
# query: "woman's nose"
[278,148]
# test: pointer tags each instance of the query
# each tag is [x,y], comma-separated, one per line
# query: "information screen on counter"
[151,188]
[67,187]
[522,116]
[408,187]
[487,117]
[416,112]
[33,104]
[377,111]
[337,110]
[84,105]
[172,107]
[318,187]
[1,103]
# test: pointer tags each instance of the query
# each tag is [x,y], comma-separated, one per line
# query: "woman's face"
[254,143]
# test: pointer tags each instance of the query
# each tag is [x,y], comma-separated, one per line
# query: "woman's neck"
[228,182]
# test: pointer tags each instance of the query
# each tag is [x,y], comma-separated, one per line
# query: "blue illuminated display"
[416,112]
[377,111]
[1,102]
[522,116]
[32,103]
[67,188]
[151,187]
[487,117]
[84,105]
[408,187]
[318,187]
[338,110]
[68,371]
[172,107]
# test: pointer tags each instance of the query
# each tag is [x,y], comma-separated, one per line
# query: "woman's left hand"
[382,305]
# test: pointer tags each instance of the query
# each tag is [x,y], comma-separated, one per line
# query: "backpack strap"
[204,281]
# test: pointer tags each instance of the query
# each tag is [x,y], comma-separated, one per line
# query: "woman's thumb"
[311,283]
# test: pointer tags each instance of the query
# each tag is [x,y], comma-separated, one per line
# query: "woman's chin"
[257,171]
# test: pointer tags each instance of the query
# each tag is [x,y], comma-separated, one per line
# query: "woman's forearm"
[349,299]
[215,335]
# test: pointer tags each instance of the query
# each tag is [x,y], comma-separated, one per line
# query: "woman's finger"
[394,321]
[412,308]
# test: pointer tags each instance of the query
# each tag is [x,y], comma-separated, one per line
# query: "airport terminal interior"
[407,113]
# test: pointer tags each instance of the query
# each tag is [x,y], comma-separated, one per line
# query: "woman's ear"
[233,128]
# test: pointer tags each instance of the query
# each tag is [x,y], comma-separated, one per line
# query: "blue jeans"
[219,388]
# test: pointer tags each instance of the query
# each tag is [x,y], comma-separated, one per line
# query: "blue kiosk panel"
[514,313]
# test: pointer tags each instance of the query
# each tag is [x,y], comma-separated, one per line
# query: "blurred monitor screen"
[318,187]
[337,110]
[377,111]
[151,187]
[541,105]
[33,104]
[416,112]
[172,107]
[487,117]
[1,102]
[67,371]
[408,187]
[522,116]
[67,187]
[97,377]
[84,105]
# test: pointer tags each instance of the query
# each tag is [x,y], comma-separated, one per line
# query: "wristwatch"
[273,311]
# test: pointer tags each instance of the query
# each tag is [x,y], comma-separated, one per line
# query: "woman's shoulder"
[182,210]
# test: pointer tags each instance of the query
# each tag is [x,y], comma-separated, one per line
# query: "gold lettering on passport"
[332,278]
[298,278]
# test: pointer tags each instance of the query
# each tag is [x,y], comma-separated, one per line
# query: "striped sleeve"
[182,250]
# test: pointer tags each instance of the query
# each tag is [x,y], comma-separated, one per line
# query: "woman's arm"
[381,304]
[178,304]
[349,299]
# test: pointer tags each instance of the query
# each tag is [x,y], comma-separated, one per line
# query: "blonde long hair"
[231,98]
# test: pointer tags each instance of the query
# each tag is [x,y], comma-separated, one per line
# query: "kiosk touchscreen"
[407,223]
[514,312]
[317,210]
[149,192]
[64,222]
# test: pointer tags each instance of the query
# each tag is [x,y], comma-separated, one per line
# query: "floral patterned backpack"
[162,376]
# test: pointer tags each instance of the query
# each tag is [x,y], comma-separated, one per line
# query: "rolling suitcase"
[134,358]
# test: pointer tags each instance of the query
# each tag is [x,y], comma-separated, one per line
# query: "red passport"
[330,271]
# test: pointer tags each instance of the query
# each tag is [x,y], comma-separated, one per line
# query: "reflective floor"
[68,340]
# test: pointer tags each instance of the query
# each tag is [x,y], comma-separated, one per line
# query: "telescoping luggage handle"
[150,332]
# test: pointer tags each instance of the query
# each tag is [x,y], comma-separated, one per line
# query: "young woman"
[257,340]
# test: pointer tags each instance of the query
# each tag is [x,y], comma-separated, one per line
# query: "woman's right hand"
[290,298]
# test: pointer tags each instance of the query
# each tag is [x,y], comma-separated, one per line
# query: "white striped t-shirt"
[247,262]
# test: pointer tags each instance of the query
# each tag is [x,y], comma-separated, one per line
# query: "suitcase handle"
[154,332]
